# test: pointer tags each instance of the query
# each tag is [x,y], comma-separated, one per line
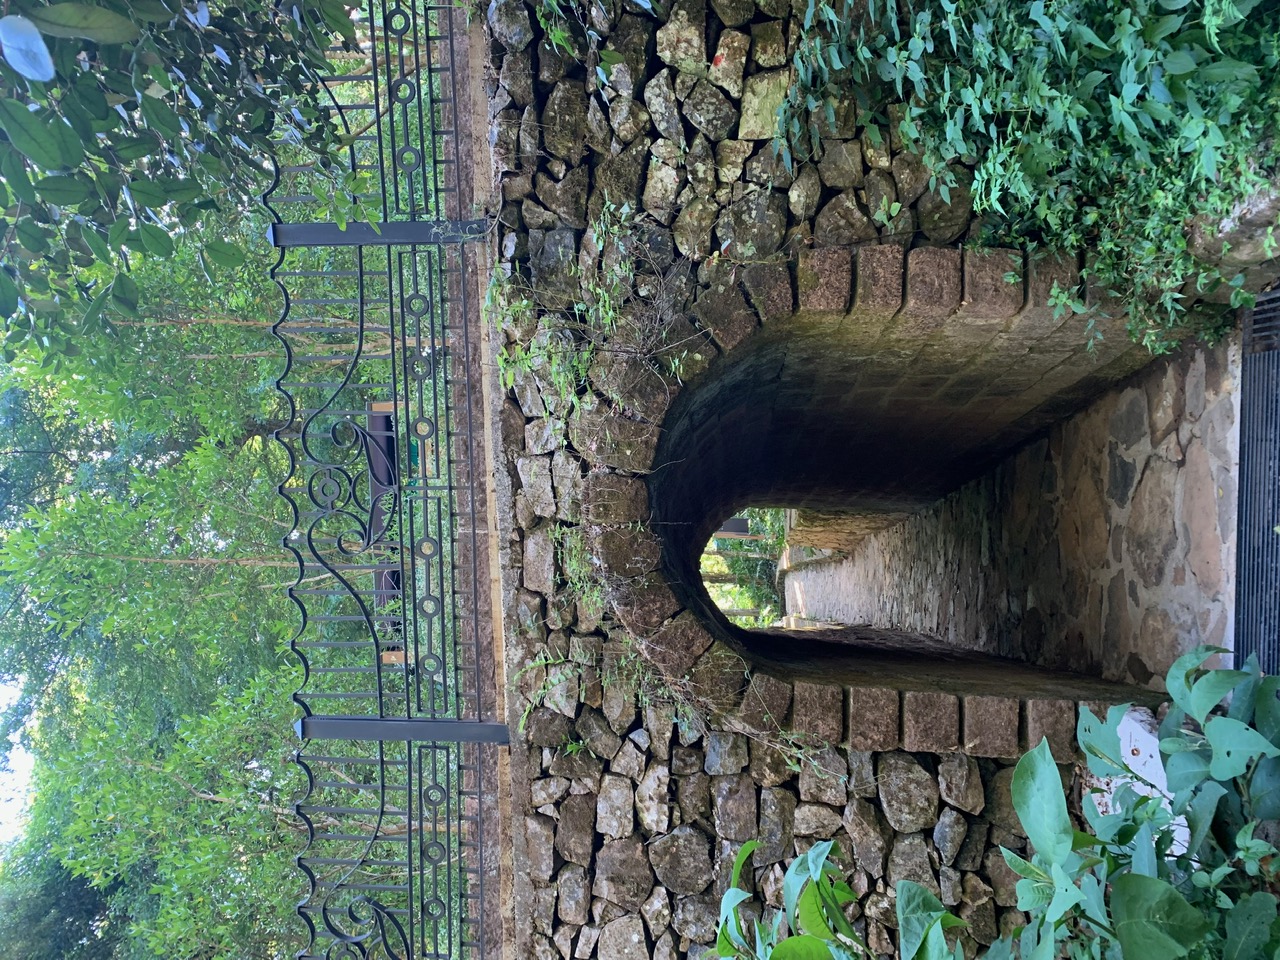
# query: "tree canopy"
[142,611]
[126,127]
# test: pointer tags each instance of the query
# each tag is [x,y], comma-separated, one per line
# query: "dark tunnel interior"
[786,421]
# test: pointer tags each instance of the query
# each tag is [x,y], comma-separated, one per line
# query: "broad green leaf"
[1177,680]
[1264,789]
[90,23]
[94,311]
[1066,896]
[810,915]
[803,947]
[148,194]
[1266,709]
[1022,867]
[25,50]
[1152,920]
[124,293]
[1041,804]
[1245,695]
[1249,926]
[160,117]
[96,243]
[152,11]
[1228,70]
[1179,62]
[1208,691]
[1033,894]
[1200,814]
[919,913]
[1234,744]
[8,295]
[729,934]
[1100,740]
[157,241]
[40,138]
[135,148]
[1144,851]
[63,190]
[748,848]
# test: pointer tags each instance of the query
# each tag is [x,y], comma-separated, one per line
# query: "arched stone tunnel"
[872,381]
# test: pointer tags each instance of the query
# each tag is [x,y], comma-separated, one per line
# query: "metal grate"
[1258,530]
[387,490]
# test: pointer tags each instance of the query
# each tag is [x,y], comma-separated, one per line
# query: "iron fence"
[387,490]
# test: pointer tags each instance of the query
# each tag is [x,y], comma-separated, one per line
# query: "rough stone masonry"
[776,322]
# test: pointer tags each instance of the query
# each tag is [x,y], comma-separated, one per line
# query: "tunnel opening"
[876,443]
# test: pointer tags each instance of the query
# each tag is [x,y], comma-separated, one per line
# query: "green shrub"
[1182,870]
[1093,126]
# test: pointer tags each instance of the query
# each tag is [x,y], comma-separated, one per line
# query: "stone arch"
[877,378]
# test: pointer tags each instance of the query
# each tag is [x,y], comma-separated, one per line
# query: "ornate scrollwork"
[363,929]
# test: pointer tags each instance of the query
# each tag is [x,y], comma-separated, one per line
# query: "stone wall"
[1106,545]
[636,809]
[772,338]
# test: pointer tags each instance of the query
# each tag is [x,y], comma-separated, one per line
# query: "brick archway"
[875,379]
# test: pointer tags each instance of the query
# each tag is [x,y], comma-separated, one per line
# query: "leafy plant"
[1089,127]
[125,125]
[814,895]
[1175,870]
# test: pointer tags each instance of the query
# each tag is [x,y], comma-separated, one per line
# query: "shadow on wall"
[1106,546]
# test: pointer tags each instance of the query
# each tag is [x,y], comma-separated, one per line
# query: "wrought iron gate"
[388,492]
[1258,513]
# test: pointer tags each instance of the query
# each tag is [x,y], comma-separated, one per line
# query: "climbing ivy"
[1090,126]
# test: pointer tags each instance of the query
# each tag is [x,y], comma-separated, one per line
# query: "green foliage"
[1185,871]
[814,895]
[584,583]
[143,620]
[1093,126]
[750,567]
[125,126]
[560,353]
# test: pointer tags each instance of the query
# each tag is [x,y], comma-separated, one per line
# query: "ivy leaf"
[1152,920]
[1234,744]
[24,48]
[90,23]
[1249,926]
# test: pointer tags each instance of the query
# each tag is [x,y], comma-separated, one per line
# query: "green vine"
[1089,126]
